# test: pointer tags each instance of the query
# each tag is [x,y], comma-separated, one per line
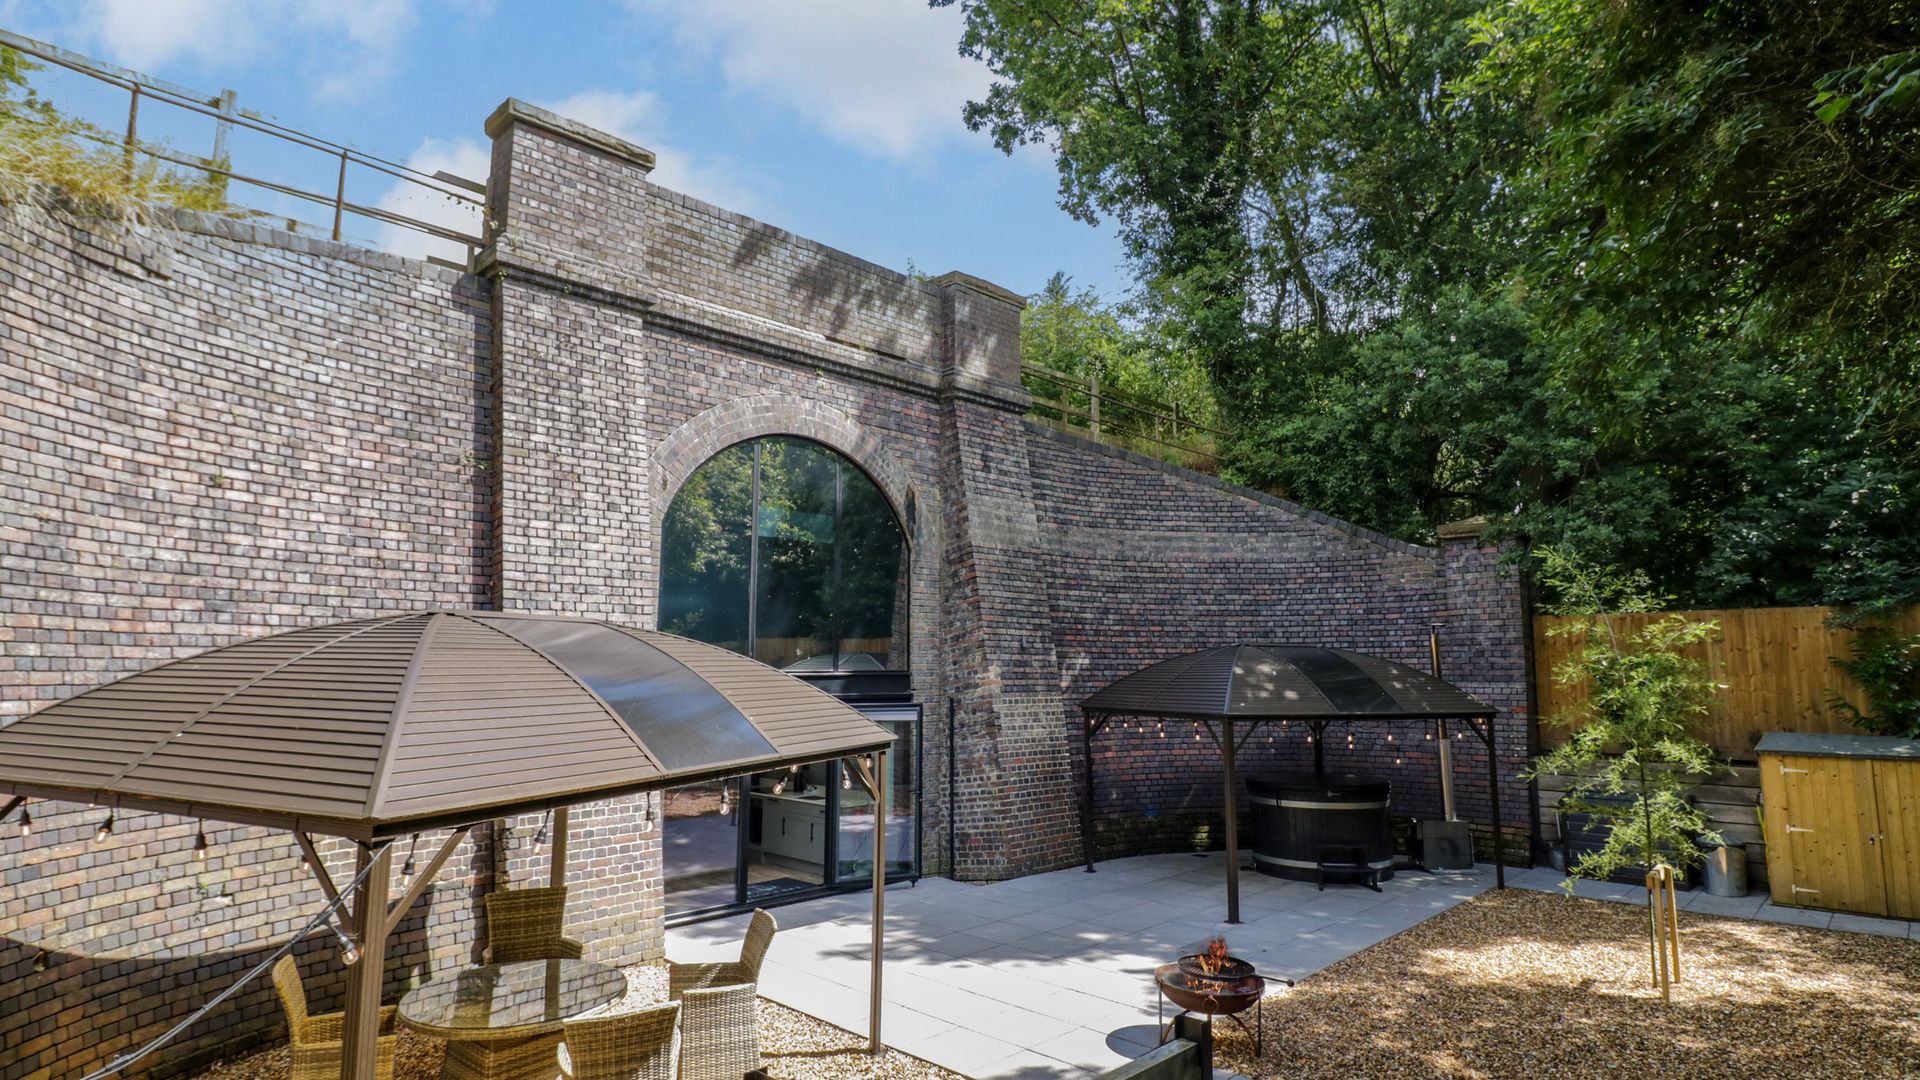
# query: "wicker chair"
[316,1039]
[643,1045]
[746,970]
[719,1032]
[526,924]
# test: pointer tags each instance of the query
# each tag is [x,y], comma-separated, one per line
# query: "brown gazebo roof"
[390,725]
[1283,682]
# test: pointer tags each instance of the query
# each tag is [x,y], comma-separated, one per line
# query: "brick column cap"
[1464,529]
[982,286]
[514,111]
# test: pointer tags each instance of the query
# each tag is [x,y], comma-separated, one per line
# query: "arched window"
[782,549]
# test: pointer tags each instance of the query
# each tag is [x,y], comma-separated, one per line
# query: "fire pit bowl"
[1228,989]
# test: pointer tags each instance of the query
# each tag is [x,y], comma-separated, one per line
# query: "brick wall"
[217,431]
[1145,561]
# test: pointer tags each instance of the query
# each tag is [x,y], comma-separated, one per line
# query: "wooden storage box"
[1842,819]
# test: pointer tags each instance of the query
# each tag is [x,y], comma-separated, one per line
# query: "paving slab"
[1052,975]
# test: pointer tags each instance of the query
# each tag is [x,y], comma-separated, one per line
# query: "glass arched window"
[782,549]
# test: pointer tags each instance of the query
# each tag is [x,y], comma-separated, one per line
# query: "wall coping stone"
[1464,529]
[513,110]
[982,286]
[222,227]
[1191,476]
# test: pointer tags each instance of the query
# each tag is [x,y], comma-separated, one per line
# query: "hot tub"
[1295,815]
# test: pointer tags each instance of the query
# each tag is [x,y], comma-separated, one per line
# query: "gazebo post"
[557,869]
[1493,787]
[1233,822]
[1089,726]
[879,786]
[360,1042]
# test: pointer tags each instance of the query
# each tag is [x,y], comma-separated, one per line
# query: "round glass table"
[503,1021]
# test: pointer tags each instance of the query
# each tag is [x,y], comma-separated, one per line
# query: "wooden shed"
[1842,820]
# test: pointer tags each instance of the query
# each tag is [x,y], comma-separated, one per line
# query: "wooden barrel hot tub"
[1299,816]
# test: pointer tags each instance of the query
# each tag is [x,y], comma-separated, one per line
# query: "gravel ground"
[1526,984]
[809,1049]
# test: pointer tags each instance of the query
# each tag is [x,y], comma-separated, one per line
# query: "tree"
[1632,735]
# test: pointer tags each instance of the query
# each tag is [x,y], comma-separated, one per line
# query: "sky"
[838,120]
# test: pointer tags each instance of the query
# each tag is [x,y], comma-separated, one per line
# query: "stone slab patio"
[1051,975]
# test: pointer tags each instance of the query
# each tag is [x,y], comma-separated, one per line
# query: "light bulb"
[349,948]
[779,787]
[846,782]
[26,822]
[106,828]
[1396,761]
[200,846]
[406,868]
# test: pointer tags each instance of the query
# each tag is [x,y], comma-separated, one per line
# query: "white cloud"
[638,117]
[354,43]
[883,75]
[635,116]
[461,157]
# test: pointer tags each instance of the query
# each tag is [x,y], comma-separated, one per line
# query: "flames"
[1215,958]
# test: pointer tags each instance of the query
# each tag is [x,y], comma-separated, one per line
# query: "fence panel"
[1774,663]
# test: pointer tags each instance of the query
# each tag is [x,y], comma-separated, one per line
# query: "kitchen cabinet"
[793,827]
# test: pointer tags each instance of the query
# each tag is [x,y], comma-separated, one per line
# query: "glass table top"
[510,998]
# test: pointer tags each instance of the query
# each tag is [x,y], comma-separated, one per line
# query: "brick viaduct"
[214,430]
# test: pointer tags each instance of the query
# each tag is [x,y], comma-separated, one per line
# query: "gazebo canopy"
[1242,686]
[1283,682]
[381,727]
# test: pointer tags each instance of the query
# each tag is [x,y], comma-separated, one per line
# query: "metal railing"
[1107,412]
[222,108]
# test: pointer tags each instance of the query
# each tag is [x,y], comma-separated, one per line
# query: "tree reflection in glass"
[784,550]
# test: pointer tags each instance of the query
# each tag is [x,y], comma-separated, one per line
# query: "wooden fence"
[1149,425]
[1774,664]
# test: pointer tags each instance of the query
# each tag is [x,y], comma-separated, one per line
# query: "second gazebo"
[1240,687]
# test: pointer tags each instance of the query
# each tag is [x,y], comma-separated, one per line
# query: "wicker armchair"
[316,1039]
[526,924]
[643,1045]
[719,1032]
[746,970]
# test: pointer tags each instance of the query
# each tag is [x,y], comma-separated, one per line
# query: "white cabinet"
[794,829]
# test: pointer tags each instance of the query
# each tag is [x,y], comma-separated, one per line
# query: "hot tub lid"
[1312,785]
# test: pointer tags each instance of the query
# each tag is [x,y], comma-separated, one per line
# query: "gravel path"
[1526,984]
[808,1049]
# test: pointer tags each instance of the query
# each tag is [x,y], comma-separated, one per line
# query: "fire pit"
[1213,984]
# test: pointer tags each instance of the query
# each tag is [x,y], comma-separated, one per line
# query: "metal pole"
[557,871]
[1086,795]
[360,1042]
[1493,782]
[133,126]
[223,126]
[1446,747]
[874,1045]
[1233,823]
[340,196]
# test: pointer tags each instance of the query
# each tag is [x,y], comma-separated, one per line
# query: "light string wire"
[326,913]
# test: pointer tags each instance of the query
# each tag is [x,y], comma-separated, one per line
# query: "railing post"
[340,196]
[133,127]
[1093,412]
[1176,420]
[222,126]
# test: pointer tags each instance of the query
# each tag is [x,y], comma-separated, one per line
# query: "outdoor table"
[502,1021]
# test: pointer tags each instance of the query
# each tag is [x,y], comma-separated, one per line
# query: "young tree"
[1633,734]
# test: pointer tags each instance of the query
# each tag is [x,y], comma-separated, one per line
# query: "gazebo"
[380,728]
[1240,687]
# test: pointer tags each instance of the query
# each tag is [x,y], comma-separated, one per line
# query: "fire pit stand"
[1212,987]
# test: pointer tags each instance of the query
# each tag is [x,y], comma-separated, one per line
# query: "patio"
[1051,975]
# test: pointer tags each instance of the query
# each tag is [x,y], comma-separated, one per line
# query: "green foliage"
[1887,666]
[1595,270]
[1633,734]
[1074,333]
[48,158]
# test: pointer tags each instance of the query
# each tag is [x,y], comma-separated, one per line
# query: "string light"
[200,845]
[406,868]
[846,780]
[539,837]
[349,948]
[40,960]
[106,828]
[26,822]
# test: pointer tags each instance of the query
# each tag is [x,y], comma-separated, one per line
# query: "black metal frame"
[1091,723]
